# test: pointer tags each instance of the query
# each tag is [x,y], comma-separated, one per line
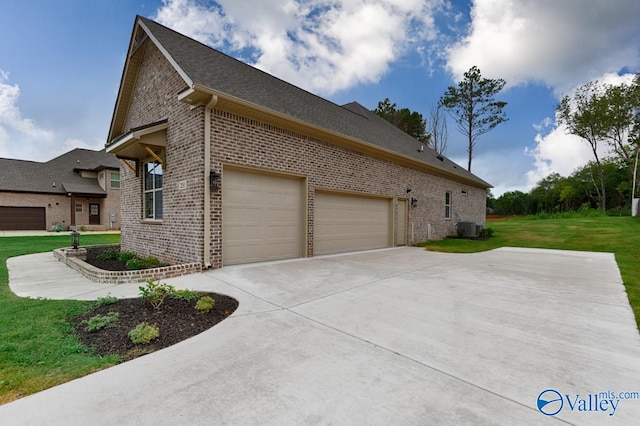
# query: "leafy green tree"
[584,116]
[513,203]
[410,122]
[491,199]
[473,106]
[622,111]
[545,197]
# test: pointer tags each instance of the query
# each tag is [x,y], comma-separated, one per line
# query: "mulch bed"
[107,265]
[177,320]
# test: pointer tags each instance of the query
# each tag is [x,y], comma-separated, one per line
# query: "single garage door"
[262,216]
[22,218]
[345,223]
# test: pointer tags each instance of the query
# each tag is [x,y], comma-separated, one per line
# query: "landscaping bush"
[144,333]
[109,254]
[137,263]
[185,294]
[205,304]
[126,256]
[106,300]
[156,293]
[99,322]
[486,233]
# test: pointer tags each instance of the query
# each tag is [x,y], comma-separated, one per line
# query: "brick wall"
[241,141]
[245,142]
[178,238]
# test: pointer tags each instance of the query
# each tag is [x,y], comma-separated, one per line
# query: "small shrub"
[144,333]
[460,232]
[486,233]
[109,254]
[156,293]
[82,228]
[185,294]
[136,263]
[125,256]
[106,300]
[205,304]
[98,322]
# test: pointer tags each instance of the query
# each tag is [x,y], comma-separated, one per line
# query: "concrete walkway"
[398,336]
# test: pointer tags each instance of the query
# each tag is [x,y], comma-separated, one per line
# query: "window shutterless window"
[447,205]
[78,207]
[153,191]
[115,180]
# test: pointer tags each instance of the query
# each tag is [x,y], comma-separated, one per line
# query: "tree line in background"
[601,115]
[556,194]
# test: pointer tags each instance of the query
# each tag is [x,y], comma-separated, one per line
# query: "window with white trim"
[153,191]
[78,207]
[447,205]
[114,179]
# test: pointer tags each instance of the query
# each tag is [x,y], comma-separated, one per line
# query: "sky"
[61,63]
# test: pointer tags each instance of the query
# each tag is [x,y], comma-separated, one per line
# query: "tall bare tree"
[437,127]
[473,106]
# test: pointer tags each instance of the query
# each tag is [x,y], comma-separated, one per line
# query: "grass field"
[37,347]
[618,235]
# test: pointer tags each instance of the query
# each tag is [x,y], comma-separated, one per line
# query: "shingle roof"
[57,176]
[210,68]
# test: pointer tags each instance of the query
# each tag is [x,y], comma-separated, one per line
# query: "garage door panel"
[262,217]
[349,223]
[22,218]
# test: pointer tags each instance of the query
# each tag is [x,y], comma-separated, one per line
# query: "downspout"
[207,190]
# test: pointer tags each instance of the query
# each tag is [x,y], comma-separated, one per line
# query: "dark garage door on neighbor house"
[22,218]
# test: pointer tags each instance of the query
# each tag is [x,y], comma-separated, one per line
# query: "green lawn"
[618,235]
[37,347]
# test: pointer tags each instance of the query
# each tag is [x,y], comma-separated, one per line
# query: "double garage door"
[22,218]
[264,218]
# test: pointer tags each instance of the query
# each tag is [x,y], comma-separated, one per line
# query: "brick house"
[80,188]
[223,164]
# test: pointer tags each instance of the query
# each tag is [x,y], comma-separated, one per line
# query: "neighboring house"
[226,164]
[78,189]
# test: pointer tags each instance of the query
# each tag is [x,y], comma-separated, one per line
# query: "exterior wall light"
[213,181]
[414,202]
[75,239]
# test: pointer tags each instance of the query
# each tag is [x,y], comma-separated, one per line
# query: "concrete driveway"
[399,336]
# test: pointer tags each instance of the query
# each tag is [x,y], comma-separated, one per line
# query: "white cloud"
[559,43]
[70,144]
[19,137]
[501,169]
[559,152]
[321,45]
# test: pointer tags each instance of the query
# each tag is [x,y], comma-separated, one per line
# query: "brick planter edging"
[74,259]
